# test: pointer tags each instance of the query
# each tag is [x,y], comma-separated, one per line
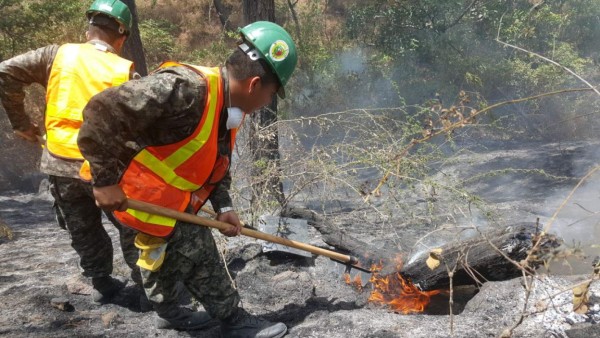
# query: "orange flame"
[393,290]
[357,282]
[399,294]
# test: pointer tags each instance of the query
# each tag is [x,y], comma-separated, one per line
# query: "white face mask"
[235,116]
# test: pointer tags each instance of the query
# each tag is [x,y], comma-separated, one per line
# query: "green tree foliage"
[26,25]
[159,43]
[453,39]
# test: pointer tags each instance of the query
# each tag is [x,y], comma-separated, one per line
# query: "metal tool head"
[290,228]
[354,273]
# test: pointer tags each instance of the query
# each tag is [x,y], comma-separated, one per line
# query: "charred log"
[481,259]
[493,255]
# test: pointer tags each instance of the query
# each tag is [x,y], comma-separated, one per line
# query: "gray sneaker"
[105,288]
[242,324]
[180,318]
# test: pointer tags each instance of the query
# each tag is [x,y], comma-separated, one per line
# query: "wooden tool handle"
[190,218]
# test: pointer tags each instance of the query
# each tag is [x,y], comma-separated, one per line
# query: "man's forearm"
[220,197]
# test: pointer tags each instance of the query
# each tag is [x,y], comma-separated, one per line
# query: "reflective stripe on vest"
[167,175]
[79,71]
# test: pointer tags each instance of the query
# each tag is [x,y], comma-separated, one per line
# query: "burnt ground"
[38,267]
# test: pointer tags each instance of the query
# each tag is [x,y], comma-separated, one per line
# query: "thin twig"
[552,62]
[553,218]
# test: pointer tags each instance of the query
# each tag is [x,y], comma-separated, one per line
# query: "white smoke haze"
[578,212]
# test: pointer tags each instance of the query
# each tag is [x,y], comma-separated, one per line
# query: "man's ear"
[253,84]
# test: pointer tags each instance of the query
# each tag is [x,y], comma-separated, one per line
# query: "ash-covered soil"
[38,267]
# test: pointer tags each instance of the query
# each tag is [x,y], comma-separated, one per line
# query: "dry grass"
[5,231]
[198,24]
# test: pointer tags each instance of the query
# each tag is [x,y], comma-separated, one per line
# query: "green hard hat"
[274,45]
[114,9]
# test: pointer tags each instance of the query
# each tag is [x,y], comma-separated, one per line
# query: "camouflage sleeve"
[21,71]
[219,198]
[160,108]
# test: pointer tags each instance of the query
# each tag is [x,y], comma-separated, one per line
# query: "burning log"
[408,288]
[480,259]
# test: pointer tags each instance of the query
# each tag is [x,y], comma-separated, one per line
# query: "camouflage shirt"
[162,108]
[26,69]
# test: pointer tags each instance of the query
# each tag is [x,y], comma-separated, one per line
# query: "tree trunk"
[292,8]
[258,10]
[267,186]
[223,12]
[133,49]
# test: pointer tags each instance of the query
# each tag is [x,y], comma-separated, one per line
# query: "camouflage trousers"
[192,258]
[76,211]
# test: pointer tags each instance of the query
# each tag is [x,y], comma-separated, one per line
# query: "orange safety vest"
[182,174]
[79,71]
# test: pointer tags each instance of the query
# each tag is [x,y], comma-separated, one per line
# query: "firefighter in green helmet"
[167,139]
[71,74]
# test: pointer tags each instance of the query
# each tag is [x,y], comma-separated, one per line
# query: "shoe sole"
[169,326]
[277,336]
[280,335]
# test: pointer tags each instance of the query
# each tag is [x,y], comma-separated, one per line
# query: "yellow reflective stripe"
[152,219]
[188,150]
[163,171]
[165,168]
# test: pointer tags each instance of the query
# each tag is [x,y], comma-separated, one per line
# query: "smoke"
[355,79]
[578,210]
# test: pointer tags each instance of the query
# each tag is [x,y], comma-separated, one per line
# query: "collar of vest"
[104,44]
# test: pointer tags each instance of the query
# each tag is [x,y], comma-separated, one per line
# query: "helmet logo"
[279,50]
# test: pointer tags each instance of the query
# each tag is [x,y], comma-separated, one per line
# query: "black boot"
[106,287]
[173,316]
[243,324]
